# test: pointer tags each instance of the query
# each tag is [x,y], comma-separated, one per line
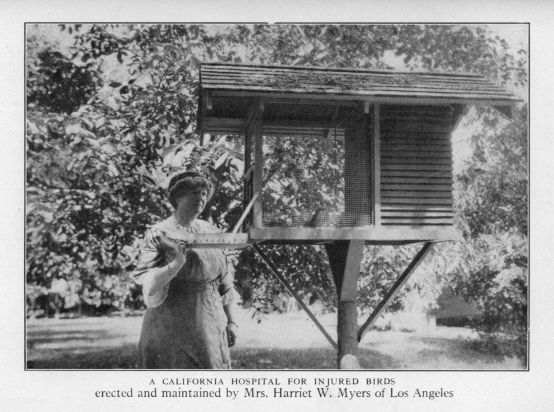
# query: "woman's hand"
[174,249]
[232,333]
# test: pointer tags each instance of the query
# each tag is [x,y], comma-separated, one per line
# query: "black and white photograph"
[275,205]
[284,196]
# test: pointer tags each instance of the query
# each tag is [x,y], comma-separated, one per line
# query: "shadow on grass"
[62,337]
[124,357]
[269,358]
[457,350]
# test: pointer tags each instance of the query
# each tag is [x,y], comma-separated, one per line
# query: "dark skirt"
[187,331]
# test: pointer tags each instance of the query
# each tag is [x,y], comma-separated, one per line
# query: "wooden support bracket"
[402,279]
[351,270]
[459,112]
[345,259]
[287,285]
[354,258]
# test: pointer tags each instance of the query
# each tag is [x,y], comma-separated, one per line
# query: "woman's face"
[193,202]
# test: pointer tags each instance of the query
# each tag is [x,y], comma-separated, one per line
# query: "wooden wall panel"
[416,165]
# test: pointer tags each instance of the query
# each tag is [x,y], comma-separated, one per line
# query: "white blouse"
[213,262]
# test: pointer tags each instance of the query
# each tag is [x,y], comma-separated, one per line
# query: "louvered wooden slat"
[404,110]
[409,126]
[427,143]
[415,167]
[416,134]
[388,161]
[413,195]
[413,210]
[416,148]
[423,112]
[398,156]
[392,201]
[419,117]
[410,187]
[421,174]
[410,155]
[412,222]
[420,216]
[418,180]
[417,217]
[436,125]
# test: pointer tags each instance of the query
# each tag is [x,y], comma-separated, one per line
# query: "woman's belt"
[196,285]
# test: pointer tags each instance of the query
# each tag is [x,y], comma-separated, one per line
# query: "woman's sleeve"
[149,257]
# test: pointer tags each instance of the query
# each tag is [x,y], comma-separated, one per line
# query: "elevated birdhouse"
[344,158]
[343,154]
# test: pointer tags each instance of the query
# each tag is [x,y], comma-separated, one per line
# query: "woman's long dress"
[184,326]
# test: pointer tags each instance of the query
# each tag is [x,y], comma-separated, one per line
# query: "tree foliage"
[492,196]
[493,188]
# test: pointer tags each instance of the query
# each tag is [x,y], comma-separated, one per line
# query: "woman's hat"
[187,180]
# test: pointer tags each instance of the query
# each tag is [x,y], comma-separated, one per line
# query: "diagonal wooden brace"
[245,212]
[287,285]
[402,279]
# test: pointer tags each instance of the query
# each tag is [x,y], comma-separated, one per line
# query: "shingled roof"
[351,83]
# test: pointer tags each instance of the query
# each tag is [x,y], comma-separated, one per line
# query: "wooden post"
[203,99]
[253,161]
[345,258]
[248,170]
[376,164]
[257,217]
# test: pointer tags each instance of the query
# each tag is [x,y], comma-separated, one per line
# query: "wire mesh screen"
[316,176]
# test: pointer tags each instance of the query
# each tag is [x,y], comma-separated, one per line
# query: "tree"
[492,196]
[493,187]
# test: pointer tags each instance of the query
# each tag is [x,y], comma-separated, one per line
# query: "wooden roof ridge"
[271,79]
[346,69]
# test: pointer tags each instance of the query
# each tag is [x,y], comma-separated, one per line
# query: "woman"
[189,294]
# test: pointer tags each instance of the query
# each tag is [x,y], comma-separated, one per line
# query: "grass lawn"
[287,341]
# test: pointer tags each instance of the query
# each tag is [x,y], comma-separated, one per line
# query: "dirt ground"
[277,341]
